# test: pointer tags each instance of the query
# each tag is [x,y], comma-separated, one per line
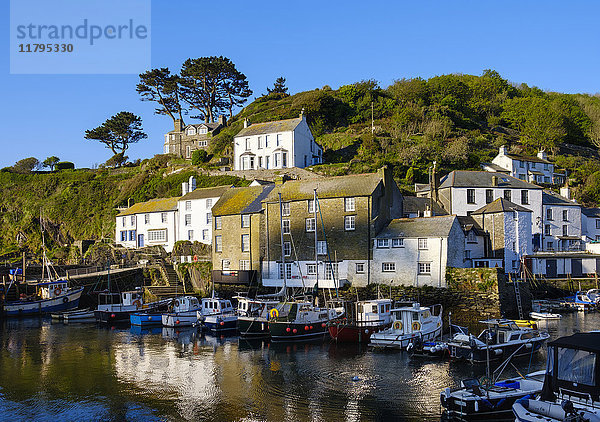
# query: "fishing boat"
[581,302]
[217,311]
[544,316]
[253,314]
[300,320]
[410,325]
[361,320]
[146,319]
[499,340]
[571,390]
[50,296]
[116,308]
[182,312]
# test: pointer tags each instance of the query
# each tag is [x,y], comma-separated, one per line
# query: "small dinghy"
[544,316]
[83,315]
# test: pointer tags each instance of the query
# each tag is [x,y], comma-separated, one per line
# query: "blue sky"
[550,44]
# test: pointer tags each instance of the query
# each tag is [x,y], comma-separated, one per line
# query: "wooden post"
[23,268]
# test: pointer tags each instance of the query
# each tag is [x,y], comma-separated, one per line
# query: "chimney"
[435,182]
[222,120]
[178,125]
[184,188]
[427,212]
[542,154]
[246,124]
[192,184]
[302,113]
[503,150]
[494,180]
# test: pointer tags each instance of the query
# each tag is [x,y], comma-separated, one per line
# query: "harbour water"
[51,371]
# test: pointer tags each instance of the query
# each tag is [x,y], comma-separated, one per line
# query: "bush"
[65,165]
[199,156]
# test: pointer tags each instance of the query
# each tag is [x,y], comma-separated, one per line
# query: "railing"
[98,269]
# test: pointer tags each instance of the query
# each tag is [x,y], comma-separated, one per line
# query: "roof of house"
[414,205]
[552,198]
[270,127]
[418,227]
[257,182]
[530,158]
[327,187]
[199,193]
[500,205]
[468,223]
[210,126]
[245,200]
[483,179]
[495,167]
[591,212]
[153,205]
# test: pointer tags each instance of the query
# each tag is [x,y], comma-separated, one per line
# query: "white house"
[476,242]
[534,169]
[276,145]
[562,224]
[590,224]
[417,251]
[150,223]
[194,211]
[509,228]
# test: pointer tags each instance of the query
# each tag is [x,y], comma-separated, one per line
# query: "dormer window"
[203,130]
[191,131]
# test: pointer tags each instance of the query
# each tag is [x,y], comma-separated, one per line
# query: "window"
[524,197]
[218,243]
[279,139]
[577,366]
[549,246]
[311,269]
[157,235]
[547,230]
[123,222]
[470,196]
[208,217]
[286,226]
[260,142]
[349,221]
[288,270]
[188,219]
[287,248]
[533,165]
[247,144]
[565,229]
[321,247]
[311,205]
[467,254]
[398,242]
[205,234]
[209,203]
[146,218]
[191,131]
[202,143]
[422,243]
[565,215]
[489,196]
[310,224]
[331,271]
[514,264]
[188,205]
[388,267]
[284,159]
[360,268]
[507,195]
[132,235]
[217,223]
[260,162]
[225,264]
[424,268]
[245,243]
[549,214]
[244,264]
[514,246]
[133,220]
[471,237]
[349,204]
[266,141]
[546,179]
[163,217]
[276,160]
[190,235]
[598,223]
[285,208]
[188,151]
[245,220]
[522,164]
[383,243]
[545,166]
[124,236]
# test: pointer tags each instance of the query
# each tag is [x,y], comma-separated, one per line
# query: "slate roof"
[418,227]
[211,127]
[468,223]
[483,179]
[591,212]
[495,167]
[500,205]
[414,205]
[327,187]
[153,205]
[552,198]
[270,127]
[530,158]
[199,193]
[245,200]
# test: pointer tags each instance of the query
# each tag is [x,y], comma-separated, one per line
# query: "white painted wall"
[141,227]
[573,224]
[517,239]
[200,219]
[520,169]
[590,228]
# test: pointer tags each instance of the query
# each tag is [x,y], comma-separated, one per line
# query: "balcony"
[234,276]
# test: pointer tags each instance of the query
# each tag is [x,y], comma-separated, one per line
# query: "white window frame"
[244,264]
[360,268]
[285,224]
[245,243]
[349,222]
[209,203]
[422,243]
[285,209]
[398,242]
[310,225]
[146,218]
[163,217]
[383,243]
[287,248]
[245,220]
[388,267]
[188,205]
[321,247]
[424,268]
[188,219]
[311,269]
[350,204]
[219,243]
[218,223]
[191,235]
[311,206]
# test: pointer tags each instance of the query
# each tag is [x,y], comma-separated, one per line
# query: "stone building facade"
[183,140]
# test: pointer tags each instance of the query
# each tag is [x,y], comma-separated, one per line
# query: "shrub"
[199,156]
[65,165]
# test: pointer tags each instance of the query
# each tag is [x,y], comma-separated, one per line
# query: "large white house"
[562,223]
[276,145]
[590,224]
[416,251]
[150,223]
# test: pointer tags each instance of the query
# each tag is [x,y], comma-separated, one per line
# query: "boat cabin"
[373,312]
[134,297]
[410,319]
[52,289]
[253,307]
[185,304]
[213,305]
[503,331]
[573,370]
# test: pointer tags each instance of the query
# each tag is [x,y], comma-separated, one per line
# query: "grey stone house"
[183,140]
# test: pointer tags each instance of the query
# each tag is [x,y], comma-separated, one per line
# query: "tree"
[211,85]
[279,87]
[26,165]
[199,156]
[118,132]
[160,86]
[51,162]
[116,160]
[65,165]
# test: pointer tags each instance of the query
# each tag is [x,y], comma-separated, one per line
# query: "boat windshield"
[576,366]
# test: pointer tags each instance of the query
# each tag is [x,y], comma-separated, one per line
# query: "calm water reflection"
[51,371]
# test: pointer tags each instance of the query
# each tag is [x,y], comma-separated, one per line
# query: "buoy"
[177,322]
[311,327]
[306,328]
[288,329]
[149,318]
[295,331]
[222,323]
[323,325]
[112,315]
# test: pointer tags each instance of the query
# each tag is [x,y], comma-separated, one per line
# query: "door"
[551,268]
[576,269]
[140,241]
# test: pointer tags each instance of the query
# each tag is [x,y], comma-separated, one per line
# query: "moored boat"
[83,315]
[300,320]
[544,316]
[253,314]
[50,296]
[361,320]
[116,308]
[217,314]
[146,319]
[182,312]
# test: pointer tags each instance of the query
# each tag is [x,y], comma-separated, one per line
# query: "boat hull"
[220,323]
[146,319]
[58,304]
[112,317]
[401,342]
[253,327]
[289,331]
[181,319]
[352,333]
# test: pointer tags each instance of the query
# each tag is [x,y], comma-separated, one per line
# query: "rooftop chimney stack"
[222,120]
[178,125]
[494,180]
[542,154]
[184,188]
[246,124]
[192,184]
[503,150]
[436,183]
[302,113]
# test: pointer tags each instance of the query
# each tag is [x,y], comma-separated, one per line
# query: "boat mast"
[316,240]
[282,248]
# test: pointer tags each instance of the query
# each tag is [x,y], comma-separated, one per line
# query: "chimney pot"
[503,150]
[246,124]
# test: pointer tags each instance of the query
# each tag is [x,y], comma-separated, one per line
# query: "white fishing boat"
[182,312]
[544,316]
[217,314]
[410,324]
